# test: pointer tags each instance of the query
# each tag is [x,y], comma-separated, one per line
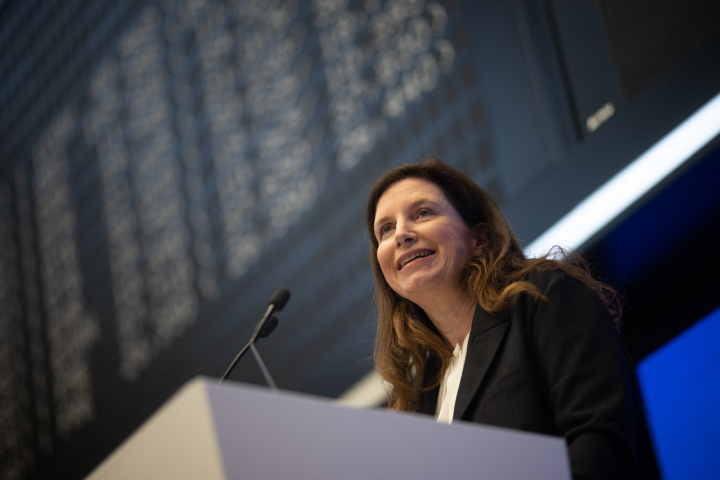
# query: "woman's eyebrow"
[419,202]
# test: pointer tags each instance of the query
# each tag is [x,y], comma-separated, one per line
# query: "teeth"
[413,257]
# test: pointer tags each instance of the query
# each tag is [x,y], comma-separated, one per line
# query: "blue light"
[680,384]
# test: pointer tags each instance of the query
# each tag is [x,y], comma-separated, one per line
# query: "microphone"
[268,328]
[280,299]
[277,302]
[264,328]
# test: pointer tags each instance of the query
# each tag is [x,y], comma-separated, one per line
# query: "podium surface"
[235,431]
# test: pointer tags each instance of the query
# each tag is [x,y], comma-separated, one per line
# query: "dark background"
[166,165]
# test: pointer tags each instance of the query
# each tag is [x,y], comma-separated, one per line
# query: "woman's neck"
[451,316]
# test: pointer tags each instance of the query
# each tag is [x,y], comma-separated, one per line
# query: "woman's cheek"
[381,256]
[384,256]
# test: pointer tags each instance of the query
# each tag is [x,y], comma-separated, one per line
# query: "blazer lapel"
[486,334]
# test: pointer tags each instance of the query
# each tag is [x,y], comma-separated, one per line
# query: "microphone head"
[279,298]
[269,326]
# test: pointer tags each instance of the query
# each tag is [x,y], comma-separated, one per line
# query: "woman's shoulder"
[565,305]
[559,289]
[548,278]
[557,286]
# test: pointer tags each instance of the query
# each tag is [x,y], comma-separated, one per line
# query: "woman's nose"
[404,234]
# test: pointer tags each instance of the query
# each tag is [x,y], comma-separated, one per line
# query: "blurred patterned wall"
[166,165]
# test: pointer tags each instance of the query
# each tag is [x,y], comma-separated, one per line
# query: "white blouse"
[451,383]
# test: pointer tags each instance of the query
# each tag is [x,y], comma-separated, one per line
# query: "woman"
[469,329]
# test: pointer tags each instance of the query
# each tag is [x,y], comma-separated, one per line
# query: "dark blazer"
[556,367]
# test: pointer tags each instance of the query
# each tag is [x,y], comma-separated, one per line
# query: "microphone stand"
[264,369]
[264,328]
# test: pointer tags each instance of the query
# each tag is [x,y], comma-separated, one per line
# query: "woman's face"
[423,243]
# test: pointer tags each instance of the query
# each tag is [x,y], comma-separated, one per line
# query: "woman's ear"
[481,237]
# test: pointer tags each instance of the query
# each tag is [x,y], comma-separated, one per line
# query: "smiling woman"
[469,329]
[423,246]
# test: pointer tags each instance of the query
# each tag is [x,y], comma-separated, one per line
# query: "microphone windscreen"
[269,327]
[279,298]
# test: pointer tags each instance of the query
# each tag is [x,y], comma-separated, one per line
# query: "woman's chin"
[420,289]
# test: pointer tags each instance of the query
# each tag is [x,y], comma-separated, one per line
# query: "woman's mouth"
[414,256]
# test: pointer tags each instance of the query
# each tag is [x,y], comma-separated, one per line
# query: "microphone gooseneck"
[264,328]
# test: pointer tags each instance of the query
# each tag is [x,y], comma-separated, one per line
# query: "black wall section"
[661,257]
[646,38]
[166,165]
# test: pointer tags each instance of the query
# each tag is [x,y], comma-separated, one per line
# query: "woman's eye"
[385,229]
[424,212]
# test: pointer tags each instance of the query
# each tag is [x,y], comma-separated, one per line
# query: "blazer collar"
[486,334]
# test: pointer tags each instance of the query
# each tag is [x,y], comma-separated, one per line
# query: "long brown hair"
[406,340]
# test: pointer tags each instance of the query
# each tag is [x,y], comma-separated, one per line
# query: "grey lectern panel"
[266,436]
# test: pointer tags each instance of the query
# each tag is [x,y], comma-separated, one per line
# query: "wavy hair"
[407,343]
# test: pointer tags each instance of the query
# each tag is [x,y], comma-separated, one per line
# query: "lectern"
[233,431]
